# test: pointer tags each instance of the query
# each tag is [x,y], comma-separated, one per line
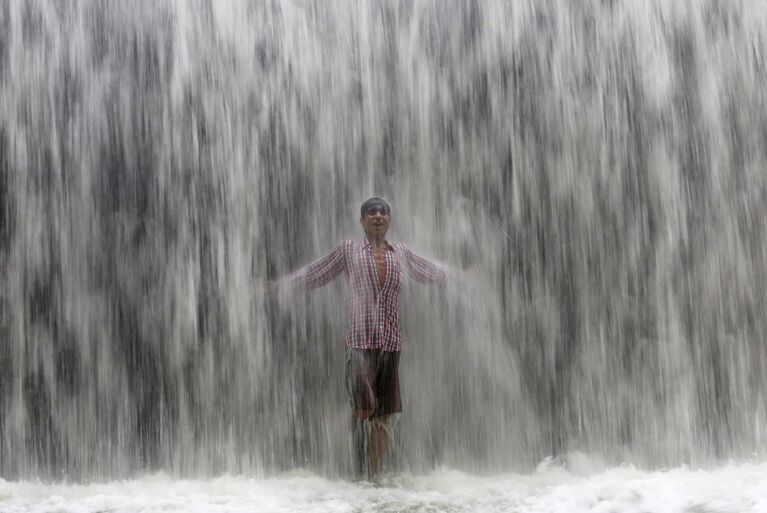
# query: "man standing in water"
[373,268]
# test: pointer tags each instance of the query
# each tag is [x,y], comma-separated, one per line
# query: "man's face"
[375,222]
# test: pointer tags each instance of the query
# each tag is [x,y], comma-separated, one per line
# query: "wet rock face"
[594,170]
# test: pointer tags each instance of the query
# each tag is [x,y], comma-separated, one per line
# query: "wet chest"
[379,268]
[379,261]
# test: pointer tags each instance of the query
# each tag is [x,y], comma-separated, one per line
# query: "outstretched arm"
[320,272]
[423,270]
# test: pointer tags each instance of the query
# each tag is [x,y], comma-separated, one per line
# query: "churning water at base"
[551,489]
[593,171]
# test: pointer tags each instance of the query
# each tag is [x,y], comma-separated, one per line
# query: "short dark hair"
[376,202]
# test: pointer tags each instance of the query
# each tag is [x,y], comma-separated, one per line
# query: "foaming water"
[551,489]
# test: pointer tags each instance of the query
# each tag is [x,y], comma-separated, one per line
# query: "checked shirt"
[372,309]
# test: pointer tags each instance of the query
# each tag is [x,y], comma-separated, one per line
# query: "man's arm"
[423,270]
[320,272]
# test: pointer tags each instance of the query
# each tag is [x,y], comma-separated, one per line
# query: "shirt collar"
[366,244]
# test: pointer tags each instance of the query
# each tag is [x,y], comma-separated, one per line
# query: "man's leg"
[388,402]
[363,401]
[373,385]
[379,441]
[360,442]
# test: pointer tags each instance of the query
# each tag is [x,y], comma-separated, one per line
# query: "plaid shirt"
[372,309]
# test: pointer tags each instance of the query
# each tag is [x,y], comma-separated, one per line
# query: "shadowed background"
[594,172]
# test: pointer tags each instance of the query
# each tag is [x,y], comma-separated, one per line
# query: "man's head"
[374,218]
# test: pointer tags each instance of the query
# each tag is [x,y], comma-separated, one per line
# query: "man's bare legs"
[378,442]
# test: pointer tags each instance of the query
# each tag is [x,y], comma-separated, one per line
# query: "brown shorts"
[372,380]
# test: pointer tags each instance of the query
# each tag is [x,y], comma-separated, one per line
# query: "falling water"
[592,172]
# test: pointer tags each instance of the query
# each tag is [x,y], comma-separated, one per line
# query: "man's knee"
[363,414]
[380,421]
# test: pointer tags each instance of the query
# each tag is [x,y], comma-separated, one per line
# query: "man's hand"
[269,290]
[275,293]
[272,291]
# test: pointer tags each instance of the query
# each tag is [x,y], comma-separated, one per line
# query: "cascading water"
[593,172]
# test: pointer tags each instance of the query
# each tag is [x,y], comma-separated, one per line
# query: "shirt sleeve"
[423,270]
[321,272]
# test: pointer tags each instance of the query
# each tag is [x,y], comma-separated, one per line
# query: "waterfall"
[592,172]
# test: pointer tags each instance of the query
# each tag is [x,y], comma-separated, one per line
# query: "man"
[374,268]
